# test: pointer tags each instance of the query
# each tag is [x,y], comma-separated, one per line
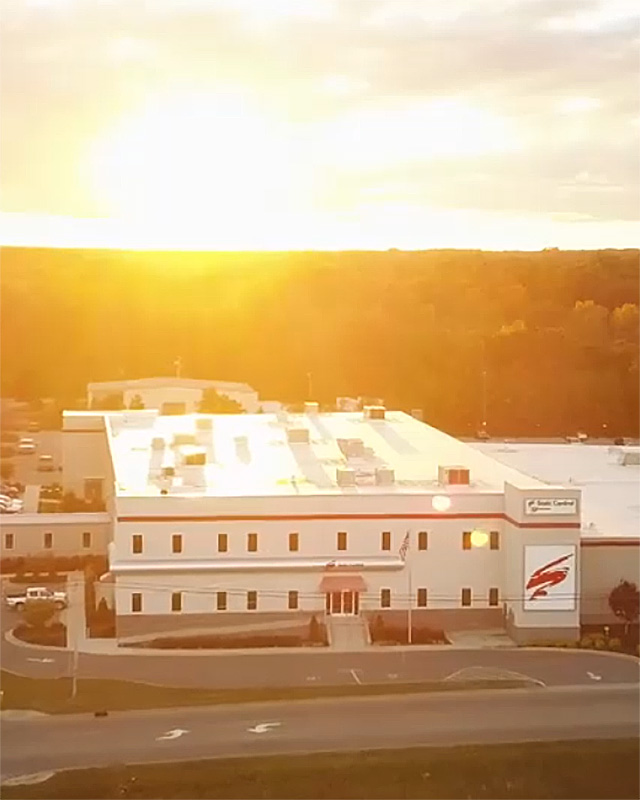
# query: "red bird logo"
[549,575]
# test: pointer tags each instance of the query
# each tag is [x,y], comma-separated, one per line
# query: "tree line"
[543,343]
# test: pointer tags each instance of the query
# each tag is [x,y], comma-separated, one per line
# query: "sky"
[320,124]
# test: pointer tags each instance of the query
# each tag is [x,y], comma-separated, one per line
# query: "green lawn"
[53,695]
[584,770]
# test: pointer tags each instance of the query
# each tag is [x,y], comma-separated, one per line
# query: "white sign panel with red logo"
[550,577]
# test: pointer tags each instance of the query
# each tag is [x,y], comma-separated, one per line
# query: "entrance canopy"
[341,582]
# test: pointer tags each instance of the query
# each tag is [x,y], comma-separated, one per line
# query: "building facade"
[252,519]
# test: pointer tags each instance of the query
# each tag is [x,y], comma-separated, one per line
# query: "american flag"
[404,547]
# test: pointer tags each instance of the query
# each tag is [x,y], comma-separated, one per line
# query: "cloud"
[532,93]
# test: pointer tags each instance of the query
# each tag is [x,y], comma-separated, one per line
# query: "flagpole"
[410,591]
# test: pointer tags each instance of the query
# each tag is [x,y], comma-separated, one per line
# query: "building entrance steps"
[348,633]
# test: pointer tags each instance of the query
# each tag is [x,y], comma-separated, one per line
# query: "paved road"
[50,743]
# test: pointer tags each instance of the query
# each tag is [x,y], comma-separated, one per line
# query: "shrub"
[215,642]
[38,613]
[52,636]
[615,644]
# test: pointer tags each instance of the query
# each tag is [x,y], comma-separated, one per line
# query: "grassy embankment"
[53,696]
[590,769]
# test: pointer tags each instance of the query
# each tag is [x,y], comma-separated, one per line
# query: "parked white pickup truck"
[35,593]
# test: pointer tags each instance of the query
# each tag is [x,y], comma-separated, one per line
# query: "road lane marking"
[594,677]
[176,733]
[355,677]
[312,678]
[264,727]
[42,660]
[393,675]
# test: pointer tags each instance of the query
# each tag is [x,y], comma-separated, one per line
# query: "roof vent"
[168,471]
[351,448]
[195,458]
[157,443]
[298,436]
[180,439]
[204,423]
[311,408]
[374,412]
[345,476]
[385,476]
[453,476]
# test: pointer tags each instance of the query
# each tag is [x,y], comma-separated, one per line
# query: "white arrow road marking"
[594,677]
[355,676]
[393,675]
[42,660]
[264,727]
[176,733]
[312,678]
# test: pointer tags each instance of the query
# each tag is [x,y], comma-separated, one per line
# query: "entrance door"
[345,603]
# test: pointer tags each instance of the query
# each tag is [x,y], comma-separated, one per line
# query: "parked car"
[45,463]
[10,505]
[26,446]
[34,594]
[620,441]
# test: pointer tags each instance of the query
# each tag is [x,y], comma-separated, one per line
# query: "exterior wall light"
[479,538]
[441,502]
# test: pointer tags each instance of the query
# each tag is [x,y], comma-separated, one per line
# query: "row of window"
[293,600]
[137,545]
[9,540]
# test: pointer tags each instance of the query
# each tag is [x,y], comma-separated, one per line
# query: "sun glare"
[198,159]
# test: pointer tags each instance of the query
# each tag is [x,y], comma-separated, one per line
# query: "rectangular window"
[422,598]
[221,601]
[294,543]
[494,540]
[48,541]
[342,540]
[423,540]
[252,542]
[252,601]
[176,543]
[466,540]
[293,601]
[86,539]
[466,597]
[8,541]
[136,543]
[223,542]
[136,602]
[493,596]
[176,601]
[385,598]
[386,540]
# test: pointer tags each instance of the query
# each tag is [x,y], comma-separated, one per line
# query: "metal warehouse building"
[225,519]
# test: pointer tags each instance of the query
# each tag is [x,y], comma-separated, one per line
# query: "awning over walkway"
[341,582]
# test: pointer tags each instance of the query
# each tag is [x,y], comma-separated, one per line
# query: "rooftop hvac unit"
[204,423]
[374,412]
[168,471]
[347,404]
[180,439]
[453,476]
[311,408]
[198,458]
[630,458]
[351,448]
[385,476]
[157,443]
[298,436]
[345,476]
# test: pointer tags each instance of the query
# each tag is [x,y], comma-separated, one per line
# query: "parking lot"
[26,465]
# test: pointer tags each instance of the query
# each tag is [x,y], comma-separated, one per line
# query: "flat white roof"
[610,491]
[249,455]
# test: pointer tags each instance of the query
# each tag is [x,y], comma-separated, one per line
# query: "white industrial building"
[180,394]
[219,519]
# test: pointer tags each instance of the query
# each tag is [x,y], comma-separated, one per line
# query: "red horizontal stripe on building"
[343,517]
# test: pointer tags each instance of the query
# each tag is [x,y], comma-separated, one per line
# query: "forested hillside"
[557,332]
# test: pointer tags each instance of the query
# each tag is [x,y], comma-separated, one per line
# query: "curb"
[12,639]
[585,650]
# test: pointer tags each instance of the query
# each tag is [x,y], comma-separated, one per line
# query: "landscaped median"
[53,696]
[582,769]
